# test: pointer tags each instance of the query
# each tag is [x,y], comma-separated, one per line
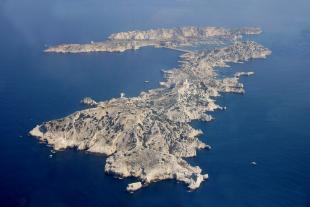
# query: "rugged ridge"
[175,38]
[149,136]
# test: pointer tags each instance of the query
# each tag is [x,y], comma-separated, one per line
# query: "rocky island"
[150,136]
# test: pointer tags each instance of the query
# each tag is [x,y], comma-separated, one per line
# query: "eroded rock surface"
[149,136]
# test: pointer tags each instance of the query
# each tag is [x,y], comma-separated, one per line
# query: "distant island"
[149,136]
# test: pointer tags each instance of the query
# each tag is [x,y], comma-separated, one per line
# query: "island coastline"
[149,136]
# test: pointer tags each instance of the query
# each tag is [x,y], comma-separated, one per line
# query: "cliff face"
[149,136]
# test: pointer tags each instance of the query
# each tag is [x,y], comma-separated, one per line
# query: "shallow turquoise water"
[269,124]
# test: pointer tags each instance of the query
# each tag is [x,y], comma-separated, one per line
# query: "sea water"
[269,124]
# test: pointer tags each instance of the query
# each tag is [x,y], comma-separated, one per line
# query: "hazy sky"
[40,19]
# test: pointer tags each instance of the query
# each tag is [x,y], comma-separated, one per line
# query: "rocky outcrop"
[134,186]
[149,136]
[89,102]
[176,38]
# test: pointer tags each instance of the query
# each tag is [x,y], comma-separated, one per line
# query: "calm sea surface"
[270,124]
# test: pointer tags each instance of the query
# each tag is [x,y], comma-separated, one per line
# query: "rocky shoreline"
[175,38]
[149,136]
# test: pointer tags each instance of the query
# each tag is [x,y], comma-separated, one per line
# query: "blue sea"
[269,124]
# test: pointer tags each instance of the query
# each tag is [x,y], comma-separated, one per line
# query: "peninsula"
[150,136]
